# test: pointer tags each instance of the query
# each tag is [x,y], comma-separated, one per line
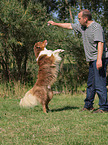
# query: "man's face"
[82,20]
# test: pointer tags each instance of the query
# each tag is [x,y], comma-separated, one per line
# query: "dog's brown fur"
[48,67]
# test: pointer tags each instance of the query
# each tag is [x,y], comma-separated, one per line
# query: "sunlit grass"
[64,125]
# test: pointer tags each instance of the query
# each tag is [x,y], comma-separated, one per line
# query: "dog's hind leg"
[44,108]
[50,96]
[47,107]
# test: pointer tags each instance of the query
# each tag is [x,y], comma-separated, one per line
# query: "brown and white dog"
[48,62]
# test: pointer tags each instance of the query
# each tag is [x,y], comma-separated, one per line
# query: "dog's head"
[39,46]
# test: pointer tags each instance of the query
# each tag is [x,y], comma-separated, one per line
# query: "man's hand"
[50,22]
[99,64]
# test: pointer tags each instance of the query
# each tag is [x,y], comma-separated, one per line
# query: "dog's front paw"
[61,50]
[58,51]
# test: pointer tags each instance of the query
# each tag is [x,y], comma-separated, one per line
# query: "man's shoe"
[87,109]
[99,111]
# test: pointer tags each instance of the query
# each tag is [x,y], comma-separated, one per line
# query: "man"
[93,41]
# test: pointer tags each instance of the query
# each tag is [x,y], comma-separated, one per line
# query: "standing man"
[93,41]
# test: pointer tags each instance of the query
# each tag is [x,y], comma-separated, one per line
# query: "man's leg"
[90,88]
[100,85]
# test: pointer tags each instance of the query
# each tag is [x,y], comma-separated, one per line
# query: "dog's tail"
[28,100]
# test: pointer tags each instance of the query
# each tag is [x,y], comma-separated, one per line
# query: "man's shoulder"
[96,25]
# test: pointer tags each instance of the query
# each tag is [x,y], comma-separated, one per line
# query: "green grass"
[65,125]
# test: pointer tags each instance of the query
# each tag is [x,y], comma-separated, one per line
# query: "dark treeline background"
[24,22]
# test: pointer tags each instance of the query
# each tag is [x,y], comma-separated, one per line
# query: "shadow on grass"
[64,108]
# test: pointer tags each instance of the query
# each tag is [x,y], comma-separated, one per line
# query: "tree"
[20,29]
[24,22]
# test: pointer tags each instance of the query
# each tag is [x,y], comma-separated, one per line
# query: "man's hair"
[86,13]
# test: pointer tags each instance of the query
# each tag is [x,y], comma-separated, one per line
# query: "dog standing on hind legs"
[41,92]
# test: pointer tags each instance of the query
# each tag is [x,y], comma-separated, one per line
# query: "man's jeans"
[96,84]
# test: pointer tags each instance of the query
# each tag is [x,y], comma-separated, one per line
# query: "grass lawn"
[65,125]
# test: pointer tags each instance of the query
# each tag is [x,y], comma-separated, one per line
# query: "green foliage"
[22,23]
[20,30]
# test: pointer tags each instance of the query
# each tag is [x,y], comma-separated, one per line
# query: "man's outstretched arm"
[63,25]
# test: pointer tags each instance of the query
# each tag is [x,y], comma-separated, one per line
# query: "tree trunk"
[69,11]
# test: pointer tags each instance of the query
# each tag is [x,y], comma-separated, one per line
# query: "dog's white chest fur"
[50,52]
